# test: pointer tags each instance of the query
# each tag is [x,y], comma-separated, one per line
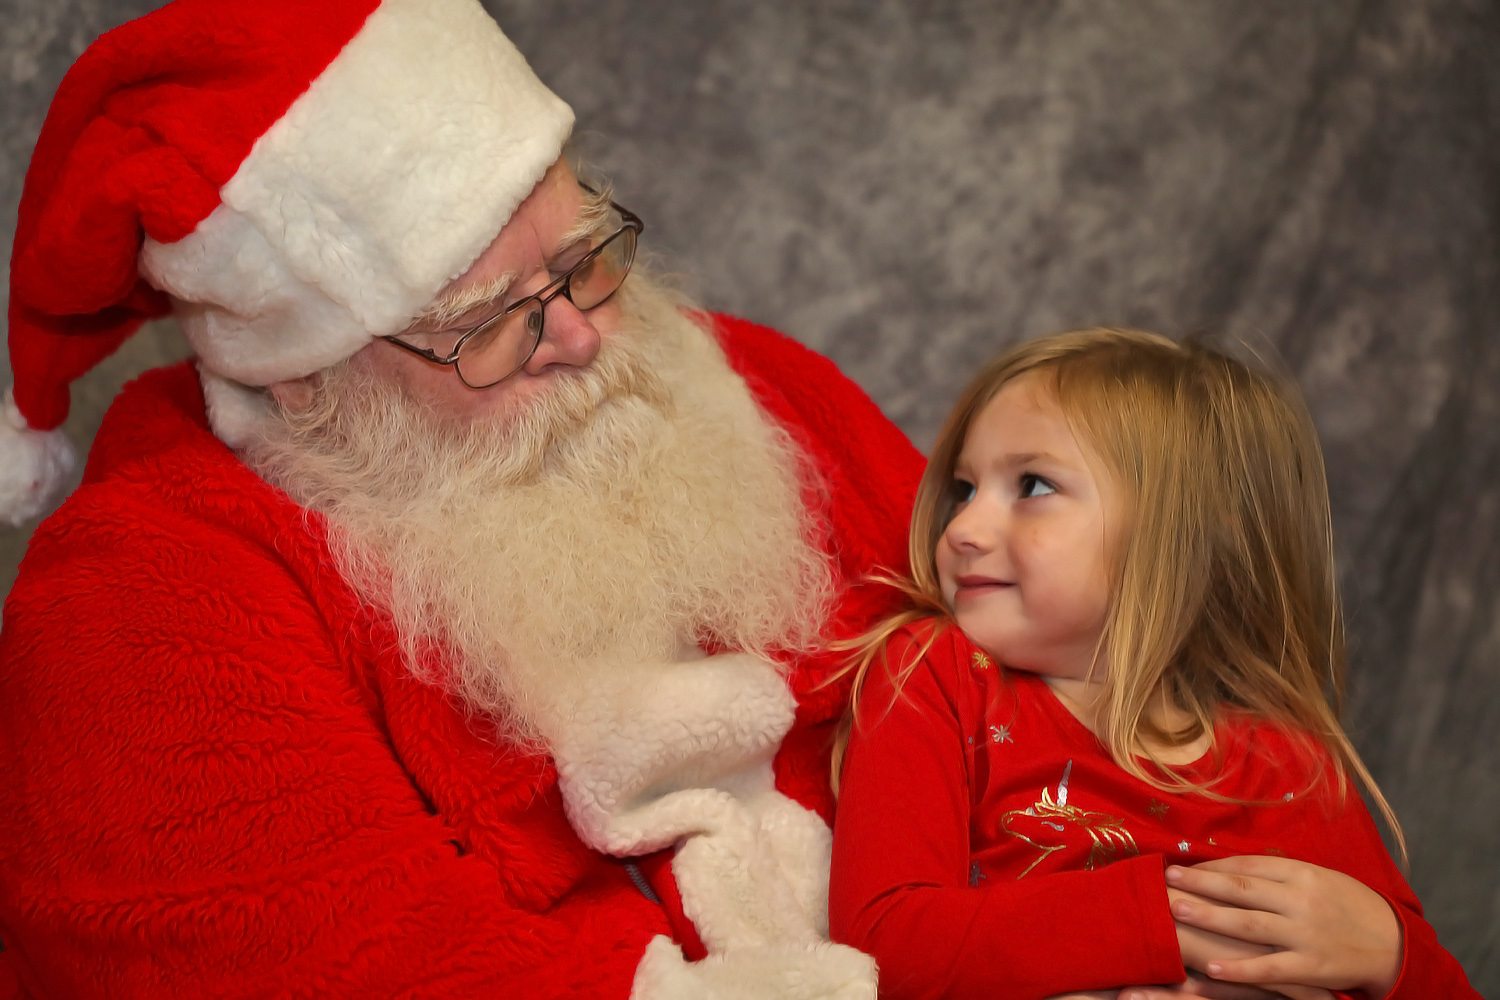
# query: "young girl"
[1123,763]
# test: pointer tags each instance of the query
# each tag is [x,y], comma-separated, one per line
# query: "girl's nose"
[976,528]
[568,338]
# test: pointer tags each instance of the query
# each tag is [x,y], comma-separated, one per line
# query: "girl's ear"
[294,395]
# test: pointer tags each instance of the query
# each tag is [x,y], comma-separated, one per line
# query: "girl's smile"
[969,586]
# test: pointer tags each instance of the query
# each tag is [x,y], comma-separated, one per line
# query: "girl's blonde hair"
[1224,594]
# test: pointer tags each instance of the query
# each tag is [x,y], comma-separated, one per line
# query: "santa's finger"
[1294,992]
[1198,988]
[1255,926]
[1247,891]
[1212,989]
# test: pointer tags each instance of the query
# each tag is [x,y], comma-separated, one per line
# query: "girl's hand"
[1199,947]
[1327,930]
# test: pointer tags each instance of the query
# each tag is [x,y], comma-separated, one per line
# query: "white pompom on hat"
[299,177]
[32,465]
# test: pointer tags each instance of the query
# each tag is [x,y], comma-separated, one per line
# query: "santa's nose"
[569,337]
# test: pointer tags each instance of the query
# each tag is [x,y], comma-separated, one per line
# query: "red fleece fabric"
[987,845]
[135,143]
[217,779]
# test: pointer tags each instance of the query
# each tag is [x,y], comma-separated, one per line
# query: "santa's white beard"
[639,508]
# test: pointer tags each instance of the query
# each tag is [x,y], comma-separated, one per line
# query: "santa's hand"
[1325,929]
[1201,986]
[786,972]
[1194,986]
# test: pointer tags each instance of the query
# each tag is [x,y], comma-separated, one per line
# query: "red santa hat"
[300,177]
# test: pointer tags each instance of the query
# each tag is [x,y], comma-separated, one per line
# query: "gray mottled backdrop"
[910,186]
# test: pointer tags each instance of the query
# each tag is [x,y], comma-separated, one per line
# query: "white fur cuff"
[785,972]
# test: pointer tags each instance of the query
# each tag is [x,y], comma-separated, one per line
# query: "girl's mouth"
[973,585]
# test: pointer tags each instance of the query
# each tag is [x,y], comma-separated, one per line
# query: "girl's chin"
[1019,651]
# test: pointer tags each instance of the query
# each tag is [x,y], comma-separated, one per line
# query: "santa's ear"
[293,395]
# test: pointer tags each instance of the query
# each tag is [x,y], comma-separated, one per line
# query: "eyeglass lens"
[597,279]
[502,347]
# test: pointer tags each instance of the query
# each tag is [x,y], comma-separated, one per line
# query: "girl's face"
[1024,564]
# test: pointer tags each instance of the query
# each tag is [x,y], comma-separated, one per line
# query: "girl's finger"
[1245,891]
[1277,967]
[1255,926]
[1266,866]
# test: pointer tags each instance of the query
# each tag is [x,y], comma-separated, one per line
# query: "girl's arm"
[901,887]
[1330,930]
[1359,927]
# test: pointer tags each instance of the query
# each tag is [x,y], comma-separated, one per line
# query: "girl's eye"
[962,490]
[1035,486]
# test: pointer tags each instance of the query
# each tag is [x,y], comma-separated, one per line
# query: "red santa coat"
[217,778]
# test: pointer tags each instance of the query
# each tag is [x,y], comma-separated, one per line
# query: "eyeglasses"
[500,346]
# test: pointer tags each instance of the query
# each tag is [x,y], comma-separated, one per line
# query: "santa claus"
[458,619]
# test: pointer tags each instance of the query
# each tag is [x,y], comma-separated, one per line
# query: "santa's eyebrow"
[446,310]
[593,213]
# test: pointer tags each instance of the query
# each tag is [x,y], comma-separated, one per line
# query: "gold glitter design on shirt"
[1051,824]
[979,661]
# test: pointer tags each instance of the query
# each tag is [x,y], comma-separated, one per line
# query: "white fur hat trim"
[381,183]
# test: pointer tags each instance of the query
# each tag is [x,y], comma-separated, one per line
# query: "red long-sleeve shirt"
[987,845]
